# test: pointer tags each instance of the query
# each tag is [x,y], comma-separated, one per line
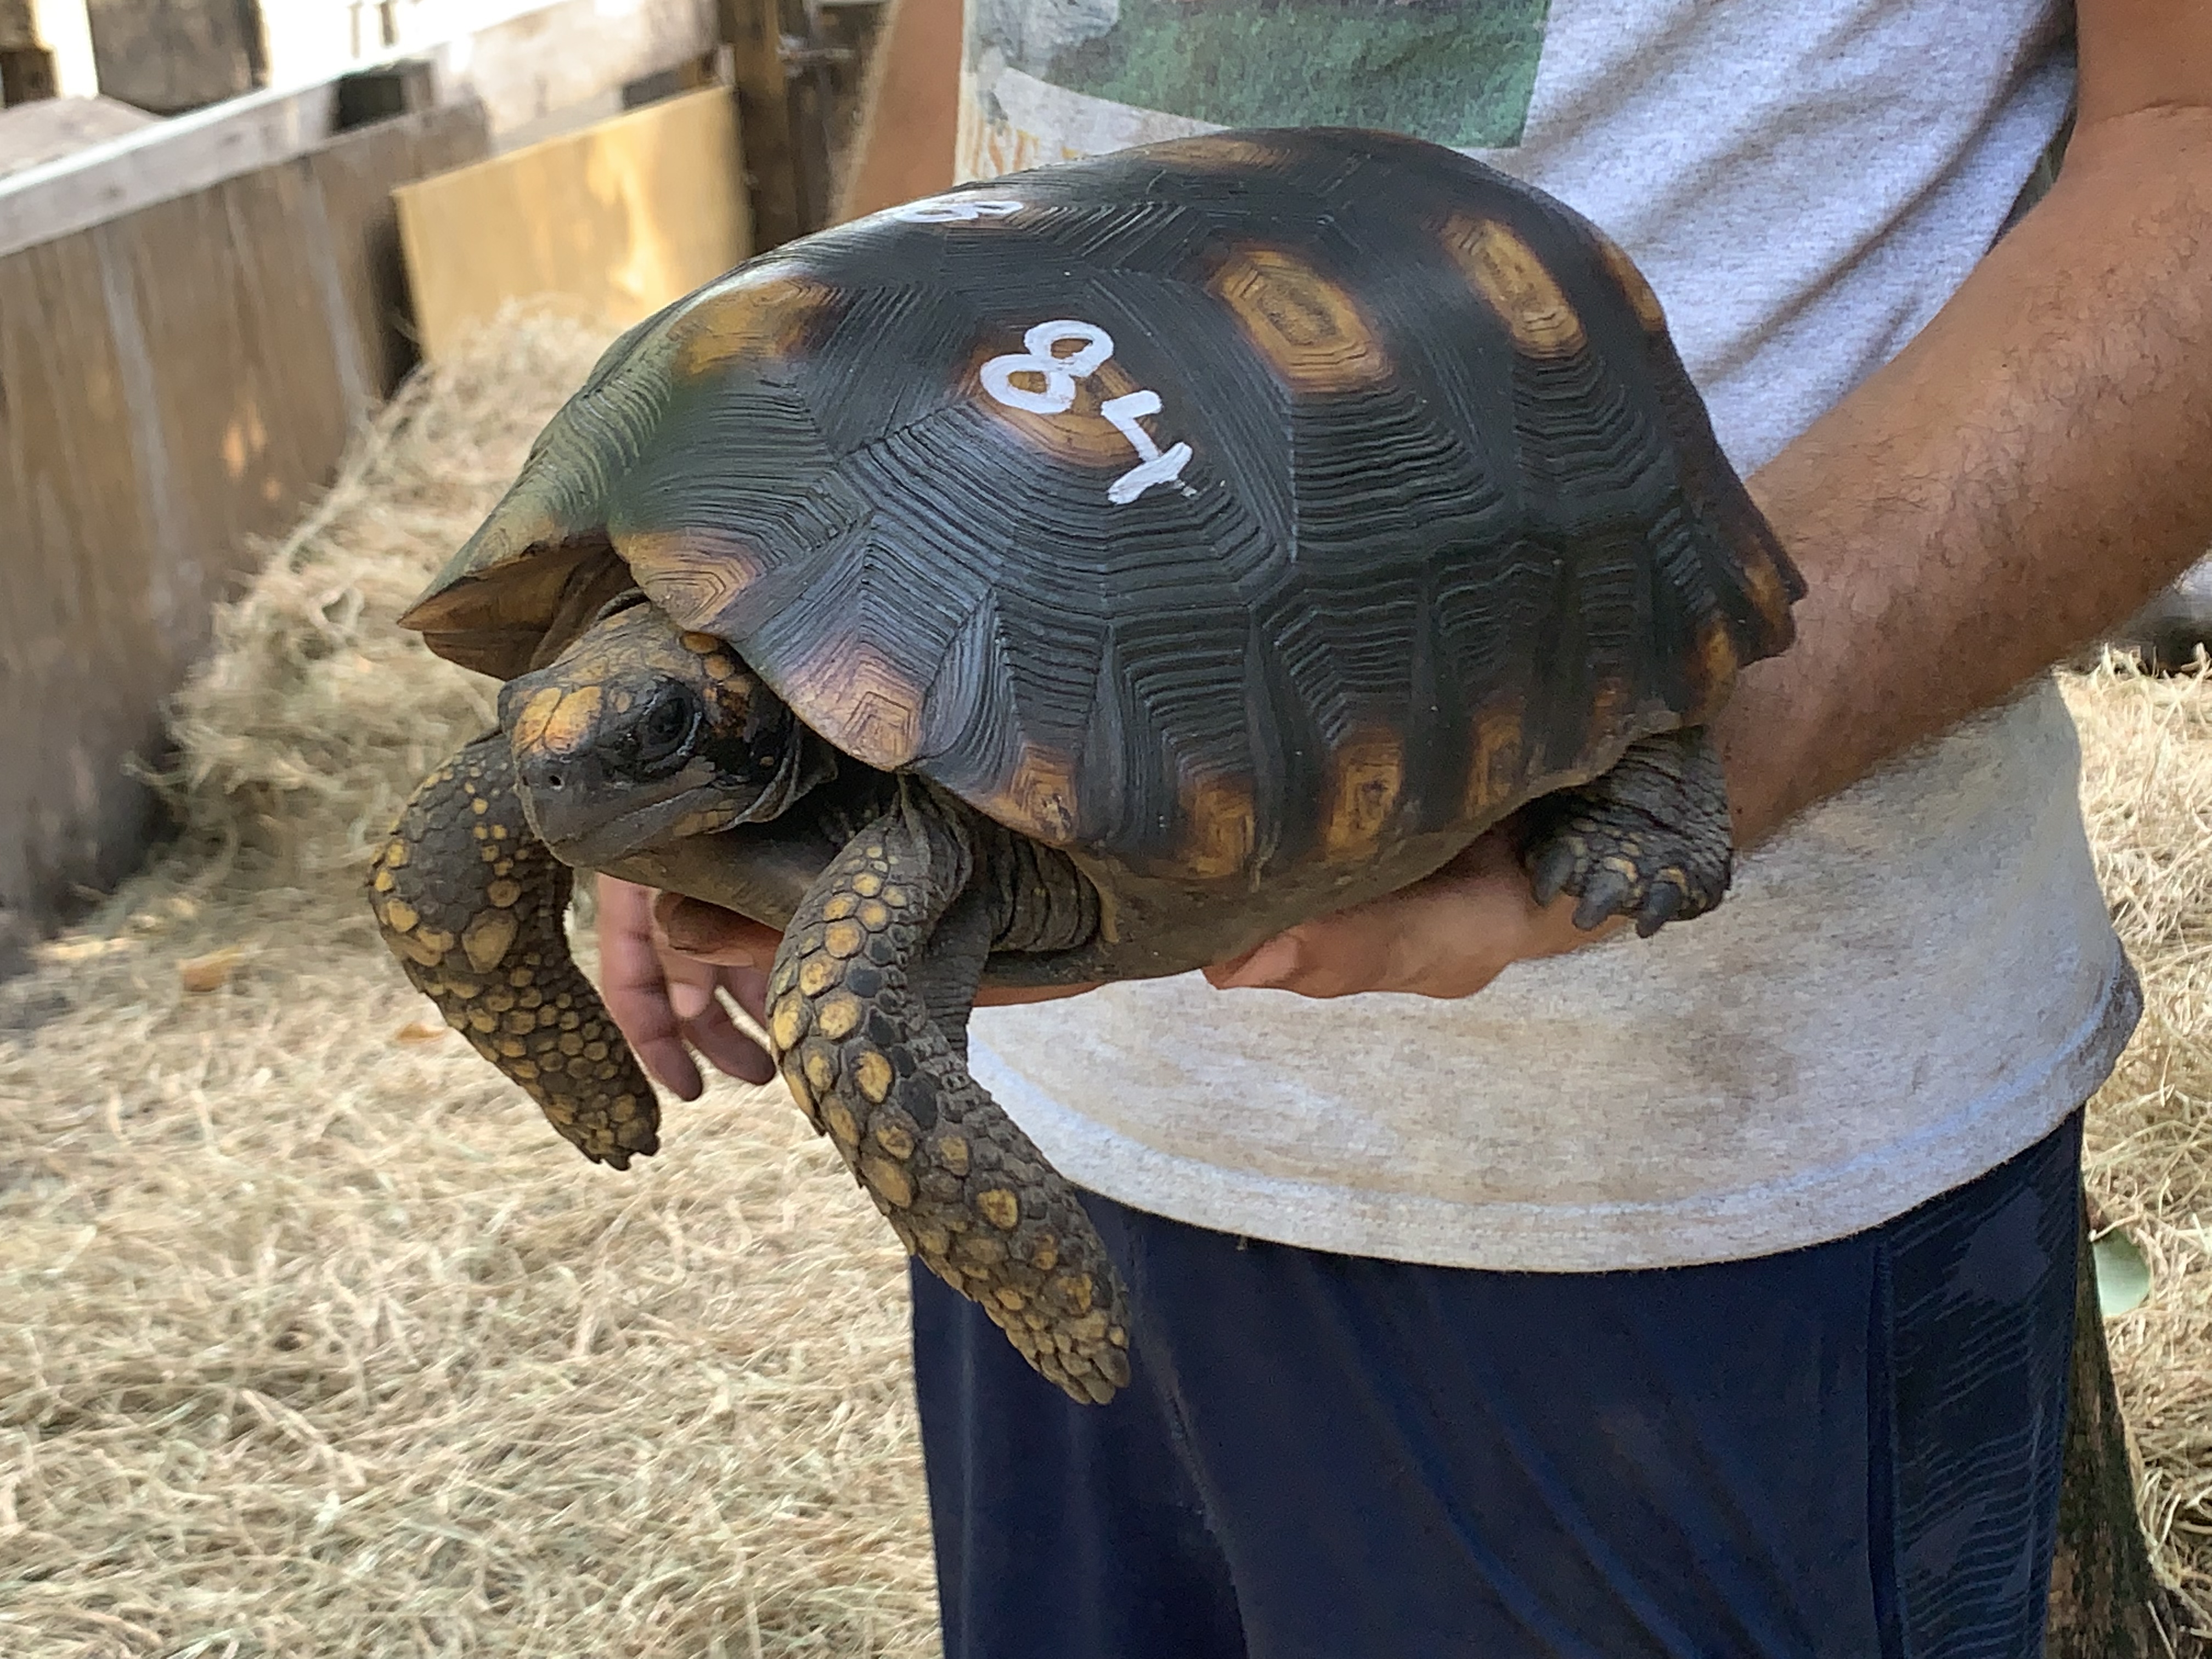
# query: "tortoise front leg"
[870,997]
[473,905]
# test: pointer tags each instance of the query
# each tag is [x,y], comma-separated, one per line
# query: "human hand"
[662,958]
[708,933]
[1449,935]
[667,1000]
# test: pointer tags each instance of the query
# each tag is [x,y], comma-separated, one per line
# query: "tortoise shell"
[1212,507]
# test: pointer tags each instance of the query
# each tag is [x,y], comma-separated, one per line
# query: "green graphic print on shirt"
[1458,72]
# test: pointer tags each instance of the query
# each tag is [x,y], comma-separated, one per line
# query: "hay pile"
[319,1344]
[2147,791]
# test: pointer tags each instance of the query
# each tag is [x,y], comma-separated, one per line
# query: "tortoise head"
[640,733]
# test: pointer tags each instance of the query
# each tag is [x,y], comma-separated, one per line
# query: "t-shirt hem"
[1811,1207]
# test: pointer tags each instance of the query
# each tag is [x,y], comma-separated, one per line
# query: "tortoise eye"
[662,736]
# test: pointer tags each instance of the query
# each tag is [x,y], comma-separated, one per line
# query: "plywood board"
[611,222]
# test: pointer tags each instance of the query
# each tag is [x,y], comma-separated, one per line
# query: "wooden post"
[755,30]
[46,50]
[2106,1602]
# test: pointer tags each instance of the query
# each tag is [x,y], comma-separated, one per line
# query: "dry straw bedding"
[317,1343]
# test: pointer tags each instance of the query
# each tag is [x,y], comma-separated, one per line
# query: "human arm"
[2035,464]
[2031,469]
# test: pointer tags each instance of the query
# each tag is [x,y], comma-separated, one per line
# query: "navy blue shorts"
[1852,1450]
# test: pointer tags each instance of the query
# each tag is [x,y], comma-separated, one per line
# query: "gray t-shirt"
[1916,980]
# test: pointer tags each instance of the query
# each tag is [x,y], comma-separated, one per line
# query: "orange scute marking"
[692,575]
[1038,797]
[853,695]
[1077,436]
[1213,153]
[1513,282]
[751,314]
[1494,773]
[1218,828]
[1308,328]
[1641,299]
[1366,775]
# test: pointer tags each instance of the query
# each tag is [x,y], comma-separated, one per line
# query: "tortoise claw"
[1553,867]
[1605,896]
[1661,906]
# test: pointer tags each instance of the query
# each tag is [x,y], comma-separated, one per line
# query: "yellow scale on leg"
[961,1185]
[489,948]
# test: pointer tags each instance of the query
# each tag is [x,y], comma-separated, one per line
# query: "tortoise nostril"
[539,777]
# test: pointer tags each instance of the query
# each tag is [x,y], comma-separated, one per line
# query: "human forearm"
[2031,469]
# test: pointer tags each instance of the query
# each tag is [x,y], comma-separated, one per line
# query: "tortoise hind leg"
[1650,838]
[472,904]
[870,996]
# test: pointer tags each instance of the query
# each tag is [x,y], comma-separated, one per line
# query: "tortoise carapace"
[1082,576]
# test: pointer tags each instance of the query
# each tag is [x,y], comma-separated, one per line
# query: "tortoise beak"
[591,815]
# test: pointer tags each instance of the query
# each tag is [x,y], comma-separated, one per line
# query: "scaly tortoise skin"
[1083,575]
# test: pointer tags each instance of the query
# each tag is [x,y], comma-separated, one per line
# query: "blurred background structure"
[228,230]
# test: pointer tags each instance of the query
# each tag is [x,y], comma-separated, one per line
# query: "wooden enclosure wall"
[172,383]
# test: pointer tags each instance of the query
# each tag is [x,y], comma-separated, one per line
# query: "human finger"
[749,986]
[634,984]
[727,1048]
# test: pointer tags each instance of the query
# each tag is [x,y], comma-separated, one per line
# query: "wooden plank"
[354,174]
[249,388]
[521,66]
[172,385]
[32,135]
[611,222]
[83,660]
[912,110]
[188,153]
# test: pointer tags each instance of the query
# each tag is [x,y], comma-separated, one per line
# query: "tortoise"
[1082,576]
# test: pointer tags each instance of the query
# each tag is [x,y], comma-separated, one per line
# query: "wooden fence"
[173,381]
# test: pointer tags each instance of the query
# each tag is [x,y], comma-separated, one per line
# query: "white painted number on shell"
[1043,359]
[955,210]
[1159,466]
